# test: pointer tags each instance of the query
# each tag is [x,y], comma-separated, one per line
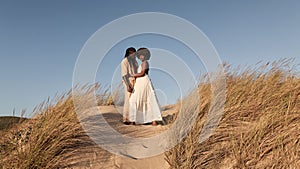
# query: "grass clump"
[49,139]
[259,127]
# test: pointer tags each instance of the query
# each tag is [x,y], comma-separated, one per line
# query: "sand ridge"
[97,157]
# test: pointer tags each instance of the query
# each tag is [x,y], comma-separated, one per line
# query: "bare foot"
[154,123]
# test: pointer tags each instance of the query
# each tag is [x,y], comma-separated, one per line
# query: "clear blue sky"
[41,40]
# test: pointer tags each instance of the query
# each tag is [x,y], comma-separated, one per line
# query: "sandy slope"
[98,158]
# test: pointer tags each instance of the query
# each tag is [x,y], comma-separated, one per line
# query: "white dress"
[143,103]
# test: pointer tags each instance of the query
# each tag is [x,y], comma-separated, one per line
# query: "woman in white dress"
[143,103]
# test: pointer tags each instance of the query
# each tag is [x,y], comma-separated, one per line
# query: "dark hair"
[145,52]
[128,50]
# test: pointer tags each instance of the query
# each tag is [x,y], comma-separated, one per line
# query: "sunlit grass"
[49,137]
[259,127]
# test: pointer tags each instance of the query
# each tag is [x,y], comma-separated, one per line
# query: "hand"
[129,89]
[132,75]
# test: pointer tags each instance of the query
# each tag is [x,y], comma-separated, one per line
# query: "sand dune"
[99,158]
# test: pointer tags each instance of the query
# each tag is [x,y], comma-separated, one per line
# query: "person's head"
[130,52]
[143,54]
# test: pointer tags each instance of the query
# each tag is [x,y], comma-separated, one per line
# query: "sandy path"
[96,157]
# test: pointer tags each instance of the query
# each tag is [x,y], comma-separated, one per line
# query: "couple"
[140,102]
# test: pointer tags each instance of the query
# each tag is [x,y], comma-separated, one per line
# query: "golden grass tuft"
[53,136]
[259,128]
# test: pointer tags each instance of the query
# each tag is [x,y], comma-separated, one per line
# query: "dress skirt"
[143,103]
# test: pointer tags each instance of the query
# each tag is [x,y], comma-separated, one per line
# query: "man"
[129,66]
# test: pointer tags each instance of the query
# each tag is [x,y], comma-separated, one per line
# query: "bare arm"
[128,84]
[145,66]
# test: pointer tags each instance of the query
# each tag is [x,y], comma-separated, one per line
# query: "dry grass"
[7,122]
[47,140]
[260,126]
[108,97]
